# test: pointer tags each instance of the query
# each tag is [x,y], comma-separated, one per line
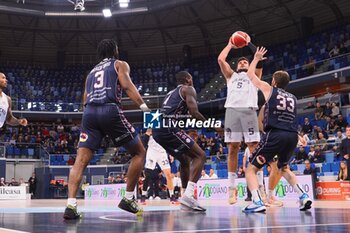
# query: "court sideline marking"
[252,228]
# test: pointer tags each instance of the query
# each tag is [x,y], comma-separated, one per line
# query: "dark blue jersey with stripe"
[102,84]
[280,111]
[174,103]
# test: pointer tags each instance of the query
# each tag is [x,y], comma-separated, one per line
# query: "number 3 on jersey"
[99,79]
[285,103]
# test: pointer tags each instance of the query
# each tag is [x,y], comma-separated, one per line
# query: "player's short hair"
[107,48]
[241,59]
[281,79]
[181,77]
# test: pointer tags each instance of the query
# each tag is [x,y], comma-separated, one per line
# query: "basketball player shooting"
[241,106]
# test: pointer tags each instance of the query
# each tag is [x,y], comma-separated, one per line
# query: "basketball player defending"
[180,101]
[280,138]
[103,116]
[156,154]
[6,107]
[241,117]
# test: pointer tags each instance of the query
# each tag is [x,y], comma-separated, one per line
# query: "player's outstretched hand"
[260,52]
[23,122]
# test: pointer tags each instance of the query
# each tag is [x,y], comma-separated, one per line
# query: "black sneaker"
[130,206]
[71,213]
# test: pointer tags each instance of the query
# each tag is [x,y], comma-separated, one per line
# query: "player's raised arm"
[191,102]
[263,86]
[224,66]
[129,87]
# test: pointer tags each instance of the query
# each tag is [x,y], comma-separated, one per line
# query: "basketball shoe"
[71,212]
[304,202]
[130,206]
[191,203]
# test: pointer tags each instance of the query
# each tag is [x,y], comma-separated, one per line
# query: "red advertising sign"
[333,190]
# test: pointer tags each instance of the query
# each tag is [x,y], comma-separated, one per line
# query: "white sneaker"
[255,207]
[304,202]
[232,195]
[150,198]
[191,203]
[157,198]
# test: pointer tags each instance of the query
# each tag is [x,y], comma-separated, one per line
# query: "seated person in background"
[322,142]
[318,156]
[303,139]
[300,156]
[327,111]
[204,175]
[307,128]
[341,122]
[2,182]
[21,182]
[339,137]
[335,110]
[310,171]
[318,112]
[343,172]
[311,153]
[212,174]
[330,126]
[13,182]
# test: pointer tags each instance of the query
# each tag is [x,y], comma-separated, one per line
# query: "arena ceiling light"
[124,3]
[107,12]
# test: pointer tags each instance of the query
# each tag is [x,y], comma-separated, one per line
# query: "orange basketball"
[239,39]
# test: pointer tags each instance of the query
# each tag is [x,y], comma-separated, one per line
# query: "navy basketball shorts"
[275,143]
[101,120]
[175,141]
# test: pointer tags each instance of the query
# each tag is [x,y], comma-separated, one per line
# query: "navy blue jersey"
[280,111]
[174,103]
[102,84]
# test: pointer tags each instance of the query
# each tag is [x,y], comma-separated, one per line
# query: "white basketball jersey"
[4,106]
[241,93]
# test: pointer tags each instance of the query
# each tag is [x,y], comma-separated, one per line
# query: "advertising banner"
[12,193]
[217,189]
[105,192]
[336,190]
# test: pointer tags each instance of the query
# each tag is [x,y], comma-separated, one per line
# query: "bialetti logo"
[9,191]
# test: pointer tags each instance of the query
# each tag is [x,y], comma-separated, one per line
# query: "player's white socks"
[232,179]
[72,202]
[129,195]
[260,175]
[190,189]
[256,195]
[171,192]
[299,189]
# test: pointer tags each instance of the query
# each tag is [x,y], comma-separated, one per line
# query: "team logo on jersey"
[83,137]
[152,119]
